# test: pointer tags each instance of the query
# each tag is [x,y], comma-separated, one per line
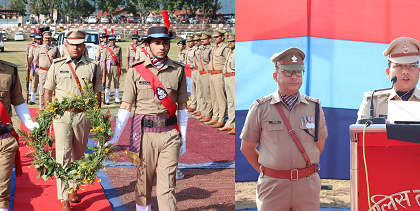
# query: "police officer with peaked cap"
[288,178]
[229,73]
[181,47]
[132,49]
[35,68]
[62,80]
[204,78]
[403,55]
[155,143]
[112,69]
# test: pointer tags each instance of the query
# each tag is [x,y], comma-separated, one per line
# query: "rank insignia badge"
[309,122]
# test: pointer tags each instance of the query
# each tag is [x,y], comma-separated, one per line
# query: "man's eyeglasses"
[400,67]
[289,73]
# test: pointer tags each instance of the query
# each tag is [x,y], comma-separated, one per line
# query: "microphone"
[375,120]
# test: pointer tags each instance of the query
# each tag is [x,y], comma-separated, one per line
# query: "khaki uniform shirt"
[137,90]
[140,55]
[40,55]
[9,97]
[32,50]
[380,102]
[181,56]
[61,79]
[230,62]
[64,52]
[189,56]
[265,126]
[130,51]
[197,57]
[99,49]
[218,57]
[206,56]
[29,47]
[117,51]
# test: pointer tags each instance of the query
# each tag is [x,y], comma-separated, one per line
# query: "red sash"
[115,60]
[5,118]
[48,55]
[188,68]
[164,98]
[134,48]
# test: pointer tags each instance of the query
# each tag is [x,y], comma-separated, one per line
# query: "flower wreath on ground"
[81,171]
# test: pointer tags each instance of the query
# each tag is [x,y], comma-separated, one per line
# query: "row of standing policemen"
[212,77]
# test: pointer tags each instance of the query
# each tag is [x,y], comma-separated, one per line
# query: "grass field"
[15,53]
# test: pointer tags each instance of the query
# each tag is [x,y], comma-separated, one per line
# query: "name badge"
[144,82]
[64,71]
[274,121]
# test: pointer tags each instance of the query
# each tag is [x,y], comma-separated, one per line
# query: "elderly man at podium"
[403,56]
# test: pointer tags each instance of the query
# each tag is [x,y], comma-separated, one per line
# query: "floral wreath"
[81,171]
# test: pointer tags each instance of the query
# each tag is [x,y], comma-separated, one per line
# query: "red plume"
[34,31]
[39,31]
[68,29]
[106,31]
[137,33]
[112,30]
[166,21]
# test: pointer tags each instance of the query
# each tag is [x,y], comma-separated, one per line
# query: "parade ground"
[208,164]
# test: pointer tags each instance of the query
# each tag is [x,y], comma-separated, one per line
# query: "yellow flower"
[107,149]
[78,172]
[70,190]
[29,167]
[87,101]
[55,98]
[94,108]
[91,130]
[118,155]
[88,170]
[122,158]
[78,85]
[78,97]
[68,92]
[112,156]
[83,86]
[90,85]
[99,180]
[87,93]
[83,164]
[83,189]
[104,169]
[126,152]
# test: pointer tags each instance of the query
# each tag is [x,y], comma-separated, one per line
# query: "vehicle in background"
[54,33]
[117,19]
[28,22]
[33,21]
[1,41]
[231,20]
[91,41]
[184,21]
[118,36]
[130,19]
[159,20]
[19,36]
[104,19]
[92,19]
[136,20]
[150,20]
[193,20]
[5,35]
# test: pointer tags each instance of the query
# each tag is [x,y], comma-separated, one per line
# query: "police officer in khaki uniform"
[403,59]
[158,144]
[111,68]
[279,187]
[61,79]
[35,69]
[229,73]
[203,78]
[65,53]
[197,100]
[217,84]
[102,45]
[43,57]
[28,66]
[140,55]
[181,47]
[10,94]
[193,96]
[189,63]
[132,49]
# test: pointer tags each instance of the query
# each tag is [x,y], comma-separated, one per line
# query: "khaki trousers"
[218,97]
[42,79]
[112,75]
[230,96]
[35,81]
[159,153]
[8,148]
[70,147]
[194,89]
[204,83]
[286,195]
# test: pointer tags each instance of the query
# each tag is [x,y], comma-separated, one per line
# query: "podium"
[393,168]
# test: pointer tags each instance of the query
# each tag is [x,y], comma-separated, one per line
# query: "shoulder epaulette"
[8,63]
[136,63]
[59,59]
[377,94]
[262,100]
[179,63]
[311,99]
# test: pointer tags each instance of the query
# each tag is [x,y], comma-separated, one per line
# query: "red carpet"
[37,194]
[204,144]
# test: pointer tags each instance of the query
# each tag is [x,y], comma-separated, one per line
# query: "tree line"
[84,8]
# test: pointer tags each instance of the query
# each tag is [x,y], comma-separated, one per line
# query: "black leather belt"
[114,64]
[6,129]
[161,123]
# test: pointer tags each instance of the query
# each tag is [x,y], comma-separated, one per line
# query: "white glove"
[122,120]
[182,123]
[23,113]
